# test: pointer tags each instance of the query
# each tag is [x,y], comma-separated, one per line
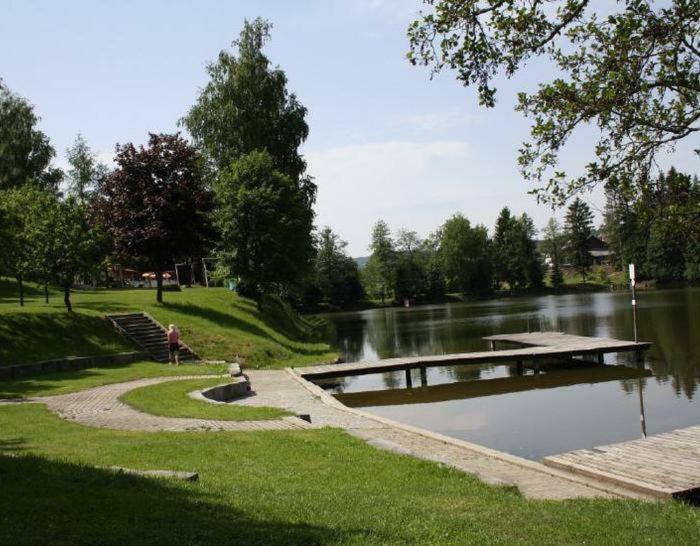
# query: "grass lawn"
[65,382]
[215,322]
[170,400]
[304,487]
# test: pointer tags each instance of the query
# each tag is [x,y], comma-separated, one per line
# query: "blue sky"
[385,140]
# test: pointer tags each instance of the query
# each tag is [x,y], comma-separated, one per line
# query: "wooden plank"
[534,346]
[666,464]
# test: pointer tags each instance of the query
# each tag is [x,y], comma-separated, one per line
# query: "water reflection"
[527,415]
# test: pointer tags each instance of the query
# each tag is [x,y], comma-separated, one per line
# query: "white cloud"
[402,10]
[440,121]
[395,181]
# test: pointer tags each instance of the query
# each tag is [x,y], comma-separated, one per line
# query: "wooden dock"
[534,347]
[665,465]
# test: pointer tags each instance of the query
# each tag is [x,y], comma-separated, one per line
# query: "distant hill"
[361,261]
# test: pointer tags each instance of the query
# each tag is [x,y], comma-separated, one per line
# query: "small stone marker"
[178,475]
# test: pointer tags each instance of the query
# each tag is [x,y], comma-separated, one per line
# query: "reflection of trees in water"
[674,331]
[391,380]
[670,319]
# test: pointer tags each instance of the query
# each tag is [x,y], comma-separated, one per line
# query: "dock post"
[601,358]
[493,344]
[409,380]
[519,367]
[423,377]
[536,367]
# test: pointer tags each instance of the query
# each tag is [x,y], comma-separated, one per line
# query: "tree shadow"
[53,502]
[32,337]
[218,317]
[230,321]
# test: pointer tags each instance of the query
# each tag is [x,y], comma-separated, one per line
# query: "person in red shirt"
[174,344]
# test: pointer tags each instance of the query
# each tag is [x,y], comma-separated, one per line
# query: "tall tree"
[245,106]
[465,252]
[75,245]
[24,213]
[86,173]
[410,275]
[381,267]
[516,260]
[553,247]
[265,220]
[25,152]
[336,273]
[155,205]
[579,229]
[632,70]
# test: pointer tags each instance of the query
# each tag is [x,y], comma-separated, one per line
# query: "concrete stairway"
[148,334]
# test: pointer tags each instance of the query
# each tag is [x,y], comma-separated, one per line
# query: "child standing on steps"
[174,344]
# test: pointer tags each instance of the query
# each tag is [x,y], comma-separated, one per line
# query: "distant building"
[599,249]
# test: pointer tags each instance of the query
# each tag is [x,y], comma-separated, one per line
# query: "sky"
[385,140]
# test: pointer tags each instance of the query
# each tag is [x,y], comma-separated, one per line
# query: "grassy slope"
[170,399]
[306,487]
[215,322]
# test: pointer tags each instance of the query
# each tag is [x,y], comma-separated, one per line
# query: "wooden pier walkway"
[534,347]
[665,465]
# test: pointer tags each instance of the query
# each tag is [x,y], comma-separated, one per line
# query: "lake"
[531,415]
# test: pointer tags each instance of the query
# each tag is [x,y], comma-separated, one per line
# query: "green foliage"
[554,246]
[516,261]
[632,71]
[85,174]
[155,206]
[466,256]
[380,271]
[265,220]
[74,245]
[579,229]
[25,152]
[27,230]
[657,229]
[245,107]
[336,277]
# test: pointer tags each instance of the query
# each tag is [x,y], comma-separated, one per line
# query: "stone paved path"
[100,407]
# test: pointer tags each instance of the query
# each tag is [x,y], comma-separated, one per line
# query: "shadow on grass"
[29,386]
[32,337]
[51,502]
[230,321]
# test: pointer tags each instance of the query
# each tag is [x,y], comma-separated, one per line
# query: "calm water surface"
[531,415]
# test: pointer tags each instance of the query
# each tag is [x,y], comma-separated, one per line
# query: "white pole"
[634,300]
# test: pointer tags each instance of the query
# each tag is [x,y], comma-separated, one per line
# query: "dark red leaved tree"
[155,205]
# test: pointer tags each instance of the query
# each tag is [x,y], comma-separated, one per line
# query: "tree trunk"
[66,297]
[21,290]
[159,286]
[46,293]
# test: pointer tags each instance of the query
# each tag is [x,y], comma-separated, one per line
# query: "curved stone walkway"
[101,407]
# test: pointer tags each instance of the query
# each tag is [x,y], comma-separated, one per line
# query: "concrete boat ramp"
[663,466]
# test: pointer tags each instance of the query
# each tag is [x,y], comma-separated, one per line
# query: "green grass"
[65,382]
[215,322]
[305,487]
[170,399]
